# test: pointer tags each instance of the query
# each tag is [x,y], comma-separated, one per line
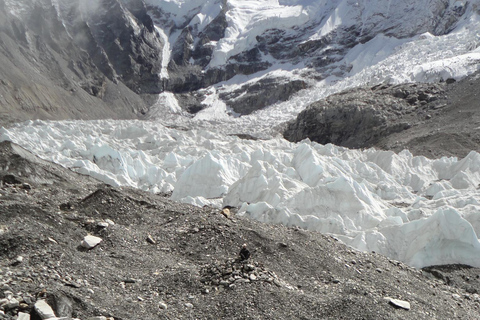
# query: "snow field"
[384,59]
[411,209]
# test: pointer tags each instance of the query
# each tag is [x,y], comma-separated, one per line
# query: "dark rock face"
[191,102]
[362,117]
[261,94]
[214,31]
[121,35]
[77,59]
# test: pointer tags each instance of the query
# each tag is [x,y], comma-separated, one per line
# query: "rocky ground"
[434,120]
[158,259]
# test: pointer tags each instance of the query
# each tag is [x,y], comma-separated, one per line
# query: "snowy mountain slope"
[313,40]
[248,55]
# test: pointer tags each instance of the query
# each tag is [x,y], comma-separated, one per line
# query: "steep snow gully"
[413,209]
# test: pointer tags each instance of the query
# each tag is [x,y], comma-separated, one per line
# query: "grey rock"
[62,305]
[11,303]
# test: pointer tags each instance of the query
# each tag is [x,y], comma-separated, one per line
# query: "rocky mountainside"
[112,58]
[428,119]
[75,59]
[158,259]
[216,41]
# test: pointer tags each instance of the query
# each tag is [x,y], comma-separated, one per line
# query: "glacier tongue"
[412,209]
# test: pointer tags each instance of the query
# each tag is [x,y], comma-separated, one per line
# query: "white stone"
[23,316]
[398,303]
[90,241]
[103,224]
[162,305]
[44,310]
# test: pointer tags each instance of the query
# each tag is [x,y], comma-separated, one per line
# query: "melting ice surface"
[413,209]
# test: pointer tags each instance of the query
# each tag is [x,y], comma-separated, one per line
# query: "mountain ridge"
[95,46]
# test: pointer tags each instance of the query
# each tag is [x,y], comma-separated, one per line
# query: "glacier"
[413,209]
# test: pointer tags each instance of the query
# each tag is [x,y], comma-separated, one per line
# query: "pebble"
[103,224]
[189,305]
[162,305]
[456,296]
[226,212]
[151,240]
[242,280]
[26,186]
[277,283]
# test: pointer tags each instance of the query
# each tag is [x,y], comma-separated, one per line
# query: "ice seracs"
[372,200]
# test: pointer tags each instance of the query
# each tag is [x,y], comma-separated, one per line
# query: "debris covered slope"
[160,259]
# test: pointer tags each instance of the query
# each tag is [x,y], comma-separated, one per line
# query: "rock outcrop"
[363,117]
[258,95]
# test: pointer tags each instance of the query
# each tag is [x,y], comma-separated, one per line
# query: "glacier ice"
[412,209]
